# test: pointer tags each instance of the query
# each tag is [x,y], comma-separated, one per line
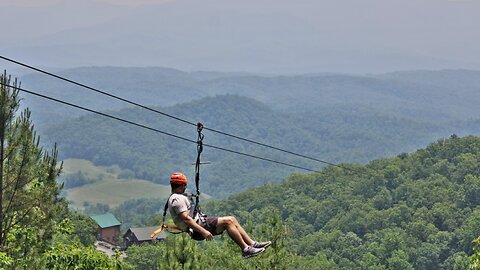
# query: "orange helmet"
[178,178]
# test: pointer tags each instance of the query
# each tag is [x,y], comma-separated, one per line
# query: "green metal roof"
[106,220]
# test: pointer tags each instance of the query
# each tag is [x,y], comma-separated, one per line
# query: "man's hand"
[207,235]
[194,226]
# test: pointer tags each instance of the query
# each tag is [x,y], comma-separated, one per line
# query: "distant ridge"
[431,96]
[335,133]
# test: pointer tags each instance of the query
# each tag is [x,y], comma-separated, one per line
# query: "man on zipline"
[206,227]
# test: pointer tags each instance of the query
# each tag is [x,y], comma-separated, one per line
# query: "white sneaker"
[261,244]
[251,252]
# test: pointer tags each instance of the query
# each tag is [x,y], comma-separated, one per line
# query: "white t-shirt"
[178,203]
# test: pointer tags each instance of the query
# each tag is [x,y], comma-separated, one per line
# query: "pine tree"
[29,201]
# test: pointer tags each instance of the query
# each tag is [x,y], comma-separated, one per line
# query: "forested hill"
[332,134]
[152,86]
[444,96]
[412,211]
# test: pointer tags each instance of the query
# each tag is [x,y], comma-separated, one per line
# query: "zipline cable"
[153,129]
[166,114]
[95,90]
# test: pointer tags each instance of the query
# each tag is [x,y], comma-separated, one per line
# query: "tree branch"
[18,178]
[8,227]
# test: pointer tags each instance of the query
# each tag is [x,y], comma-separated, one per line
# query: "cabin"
[108,228]
[138,236]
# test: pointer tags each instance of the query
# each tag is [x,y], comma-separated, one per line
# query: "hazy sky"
[38,3]
[247,35]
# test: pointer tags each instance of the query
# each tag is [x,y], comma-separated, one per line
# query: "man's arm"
[194,226]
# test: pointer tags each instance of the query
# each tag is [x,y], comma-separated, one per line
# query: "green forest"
[417,210]
[412,211]
[332,134]
[337,118]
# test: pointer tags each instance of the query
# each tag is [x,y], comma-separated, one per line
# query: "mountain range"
[432,96]
[333,117]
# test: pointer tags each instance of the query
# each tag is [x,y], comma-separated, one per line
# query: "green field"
[108,188]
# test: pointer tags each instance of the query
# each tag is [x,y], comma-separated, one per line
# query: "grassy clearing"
[86,167]
[108,189]
[115,191]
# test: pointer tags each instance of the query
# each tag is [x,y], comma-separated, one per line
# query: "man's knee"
[228,220]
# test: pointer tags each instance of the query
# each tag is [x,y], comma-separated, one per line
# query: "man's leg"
[235,231]
[238,234]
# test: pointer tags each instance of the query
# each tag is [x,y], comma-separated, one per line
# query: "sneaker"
[261,244]
[251,251]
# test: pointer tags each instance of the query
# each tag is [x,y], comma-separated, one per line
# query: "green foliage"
[73,247]
[181,252]
[96,209]
[62,257]
[36,230]
[140,151]
[29,201]
[177,252]
[135,213]
[413,211]
[76,180]
[82,230]
[5,261]
[475,258]
[145,257]
[345,118]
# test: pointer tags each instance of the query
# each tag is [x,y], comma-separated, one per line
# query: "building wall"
[130,239]
[110,234]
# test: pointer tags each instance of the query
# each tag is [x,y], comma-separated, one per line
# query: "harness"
[195,212]
[197,167]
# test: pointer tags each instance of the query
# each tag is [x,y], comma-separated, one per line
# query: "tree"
[29,202]
[147,256]
[399,261]
[81,229]
[475,258]
[181,253]
[77,179]
[66,257]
